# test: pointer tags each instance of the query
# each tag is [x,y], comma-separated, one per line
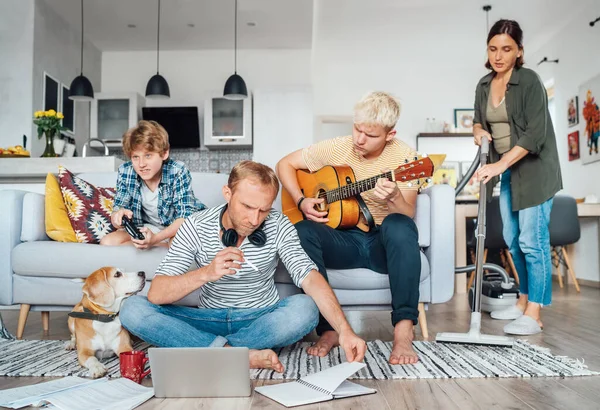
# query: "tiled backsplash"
[207,161]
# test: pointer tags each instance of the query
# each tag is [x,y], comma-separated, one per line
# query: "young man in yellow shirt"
[391,247]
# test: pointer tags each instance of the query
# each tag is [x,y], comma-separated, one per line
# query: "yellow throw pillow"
[58,225]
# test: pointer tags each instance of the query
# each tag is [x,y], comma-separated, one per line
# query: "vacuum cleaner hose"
[486,266]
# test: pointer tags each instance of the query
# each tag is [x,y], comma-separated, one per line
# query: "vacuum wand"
[474,335]
[481,228]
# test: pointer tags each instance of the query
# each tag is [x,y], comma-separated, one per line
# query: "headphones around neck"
[230,236]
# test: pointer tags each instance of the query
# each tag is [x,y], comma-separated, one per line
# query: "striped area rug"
[436,361]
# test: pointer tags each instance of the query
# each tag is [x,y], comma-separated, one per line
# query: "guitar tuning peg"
[416,158]
[428,180]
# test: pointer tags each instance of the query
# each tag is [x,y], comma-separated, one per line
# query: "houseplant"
[49,123]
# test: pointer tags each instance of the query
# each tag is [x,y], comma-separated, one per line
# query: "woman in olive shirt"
[511,111]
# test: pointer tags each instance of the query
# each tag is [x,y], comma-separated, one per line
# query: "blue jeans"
[528,238]
[392,249]
[278,325]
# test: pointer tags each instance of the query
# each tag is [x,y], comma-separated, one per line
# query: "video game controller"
[131,229]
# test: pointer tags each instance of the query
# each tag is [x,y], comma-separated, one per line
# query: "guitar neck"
[355,188]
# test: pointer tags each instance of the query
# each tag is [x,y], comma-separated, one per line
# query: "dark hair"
[511,28]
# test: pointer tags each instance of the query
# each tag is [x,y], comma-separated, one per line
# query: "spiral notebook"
[326,385]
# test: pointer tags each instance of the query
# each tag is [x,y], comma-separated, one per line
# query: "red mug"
[132,365]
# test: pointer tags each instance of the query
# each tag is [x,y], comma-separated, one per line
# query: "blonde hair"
[253,170]
[377,108]
[148,135]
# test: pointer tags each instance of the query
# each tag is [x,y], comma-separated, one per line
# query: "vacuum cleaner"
[474,336]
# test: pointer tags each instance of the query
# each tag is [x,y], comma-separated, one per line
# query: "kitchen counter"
[34,170]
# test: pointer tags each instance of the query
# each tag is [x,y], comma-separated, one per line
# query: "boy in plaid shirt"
[154,191]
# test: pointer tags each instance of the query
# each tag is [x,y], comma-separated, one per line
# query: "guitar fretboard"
[355,188]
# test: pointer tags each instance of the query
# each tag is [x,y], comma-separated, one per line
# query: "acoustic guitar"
[338,186]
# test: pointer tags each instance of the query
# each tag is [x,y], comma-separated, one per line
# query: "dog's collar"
[88,314]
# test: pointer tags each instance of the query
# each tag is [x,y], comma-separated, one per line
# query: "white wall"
[576,47]
[57,51]
[402,51]
[193,74]
[16,62]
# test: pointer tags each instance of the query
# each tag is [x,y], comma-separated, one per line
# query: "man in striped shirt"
[237,246]
[391,247]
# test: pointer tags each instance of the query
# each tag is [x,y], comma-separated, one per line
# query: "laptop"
[200,371]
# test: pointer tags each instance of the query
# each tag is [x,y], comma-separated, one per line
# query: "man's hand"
[354,347]
[148,240]
[226,262]
[386,190]
[308,209]
[116,218]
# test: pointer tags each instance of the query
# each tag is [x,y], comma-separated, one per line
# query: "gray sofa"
[39,274]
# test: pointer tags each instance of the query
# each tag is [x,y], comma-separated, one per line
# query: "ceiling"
[278,23]
[288,24]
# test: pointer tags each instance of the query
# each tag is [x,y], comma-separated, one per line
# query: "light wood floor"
[572,328]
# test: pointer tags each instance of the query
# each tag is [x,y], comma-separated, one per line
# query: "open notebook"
[326,385]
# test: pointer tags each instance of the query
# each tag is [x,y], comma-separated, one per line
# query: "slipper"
[524,326]
[510,313]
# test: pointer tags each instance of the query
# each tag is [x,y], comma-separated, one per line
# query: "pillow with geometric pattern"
[88,207]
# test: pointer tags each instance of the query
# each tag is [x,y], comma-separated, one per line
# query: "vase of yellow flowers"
[49,123]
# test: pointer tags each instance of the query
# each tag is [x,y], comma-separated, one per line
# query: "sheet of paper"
[349,389]
[112,394]
[292,394]
[24,396]
[331,378]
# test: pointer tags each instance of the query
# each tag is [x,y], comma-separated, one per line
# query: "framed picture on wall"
[573,111]
[463,119]
[573,146]
[50,93]
[68,109]
[590,123]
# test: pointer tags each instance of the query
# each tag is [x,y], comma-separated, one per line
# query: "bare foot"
[265,359]
[328,340]
[402,351]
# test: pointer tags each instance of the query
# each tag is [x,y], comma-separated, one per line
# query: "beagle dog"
[94,322]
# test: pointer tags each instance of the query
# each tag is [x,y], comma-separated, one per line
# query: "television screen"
[181,124]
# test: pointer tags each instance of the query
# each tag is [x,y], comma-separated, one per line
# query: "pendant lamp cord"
[158,37]
[487,9]
[235,40]
[81,63]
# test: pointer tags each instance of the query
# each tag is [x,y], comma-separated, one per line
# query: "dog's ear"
[97,288]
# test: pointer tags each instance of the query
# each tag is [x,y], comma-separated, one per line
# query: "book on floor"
[326,385]
[73,393]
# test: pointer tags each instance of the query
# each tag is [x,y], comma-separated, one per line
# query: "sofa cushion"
[88,207]
[58,226]
[354,279]
[78,260]
[423,220]
[32,226]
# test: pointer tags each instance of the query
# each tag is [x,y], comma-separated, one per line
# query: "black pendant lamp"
[235,87]
[81,88]
[158,87]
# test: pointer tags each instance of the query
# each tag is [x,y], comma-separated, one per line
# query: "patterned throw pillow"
[89,207]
